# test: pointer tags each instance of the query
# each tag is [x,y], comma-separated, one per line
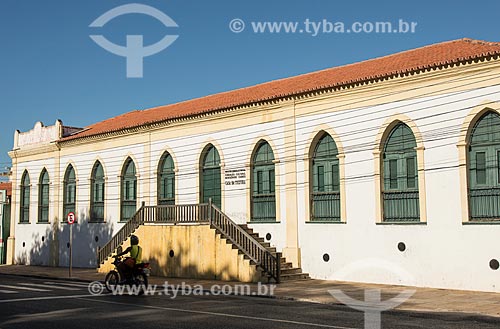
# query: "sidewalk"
[316,291]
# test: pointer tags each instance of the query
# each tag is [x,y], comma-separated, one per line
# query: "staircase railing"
[197,213]
[246,243]
[128,228]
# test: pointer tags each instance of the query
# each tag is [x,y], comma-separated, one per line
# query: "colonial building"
[383,171]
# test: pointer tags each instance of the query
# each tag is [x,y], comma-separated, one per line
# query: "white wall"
[444,252]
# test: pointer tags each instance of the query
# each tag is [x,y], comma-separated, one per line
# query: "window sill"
[325,222]
[45,223]
[482,223]
[96,222]
[23,223]
[401,223]
[263,222]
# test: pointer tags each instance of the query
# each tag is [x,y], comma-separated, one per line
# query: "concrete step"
[294,277]
[291,270]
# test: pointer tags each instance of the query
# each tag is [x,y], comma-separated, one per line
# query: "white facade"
[443,250]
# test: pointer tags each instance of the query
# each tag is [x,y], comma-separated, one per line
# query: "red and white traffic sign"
[71,218]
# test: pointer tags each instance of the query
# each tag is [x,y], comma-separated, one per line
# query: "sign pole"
[71,221]
[70,249]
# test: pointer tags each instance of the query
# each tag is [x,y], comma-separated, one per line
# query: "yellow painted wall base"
[198,253]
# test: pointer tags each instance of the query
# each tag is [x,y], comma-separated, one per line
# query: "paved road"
[38,303]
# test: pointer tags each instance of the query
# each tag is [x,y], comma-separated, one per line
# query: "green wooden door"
[166,181]
[263,184]
[25,198]
[211,180]
[400,176]
[69,197]
[128,191]
[97,193]
[484,169]
[43,197]
[325,197]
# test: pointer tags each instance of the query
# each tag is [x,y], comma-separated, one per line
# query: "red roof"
[404,62]
[7,187]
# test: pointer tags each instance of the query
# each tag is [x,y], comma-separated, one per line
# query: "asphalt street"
[41,303]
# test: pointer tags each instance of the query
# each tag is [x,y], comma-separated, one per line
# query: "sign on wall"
[235,177]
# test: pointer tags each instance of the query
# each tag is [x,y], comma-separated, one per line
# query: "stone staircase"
[288,272]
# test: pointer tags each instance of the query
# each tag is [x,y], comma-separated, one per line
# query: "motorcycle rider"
[126,267]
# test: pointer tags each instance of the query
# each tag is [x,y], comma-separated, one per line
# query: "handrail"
[128,228]
[246,243]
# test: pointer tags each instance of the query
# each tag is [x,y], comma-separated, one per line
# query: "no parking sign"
[71,218]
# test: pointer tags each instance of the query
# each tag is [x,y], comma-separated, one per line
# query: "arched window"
[166,180]
[263,184]
[43,197]
[128,191]
[484,168]
[69,191]
[210,179]
[325,196]
[97,185]
[25,198]
[400,176]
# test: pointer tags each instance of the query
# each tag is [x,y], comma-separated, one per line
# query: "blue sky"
[50,69]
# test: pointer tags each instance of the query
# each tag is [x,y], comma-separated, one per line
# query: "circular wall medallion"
[494,265]
[171,253]
[268,236]
[401,246]
[326,258]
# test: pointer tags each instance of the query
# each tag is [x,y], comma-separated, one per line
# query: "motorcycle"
[139,276]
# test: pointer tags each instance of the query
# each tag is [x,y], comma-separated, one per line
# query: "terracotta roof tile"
[407,61]
[6,186]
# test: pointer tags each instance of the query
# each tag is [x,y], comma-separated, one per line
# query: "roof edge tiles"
[409,61]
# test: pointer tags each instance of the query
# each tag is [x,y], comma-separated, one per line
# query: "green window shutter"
[498,167]
[25,198]
[321,178]
[170,187]
[325,196]
[480,168]
[263,200]
[484,170]
[260,182]
[211,176]
[272,181]
[400,182]
[166,180]
[97,193]
[393,174]
[335,177]
[411,174]
[128,191]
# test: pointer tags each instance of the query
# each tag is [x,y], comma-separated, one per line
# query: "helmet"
[134,240]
